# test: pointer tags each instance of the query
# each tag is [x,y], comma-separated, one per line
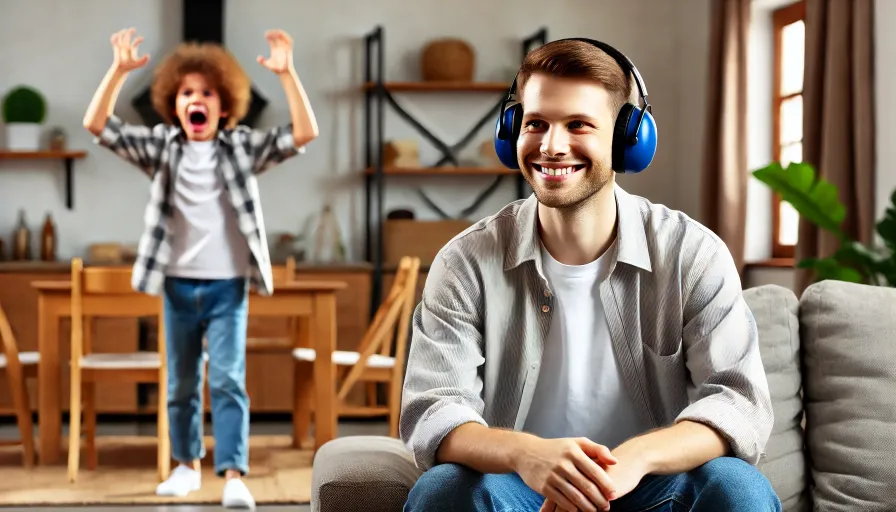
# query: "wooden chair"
[372,363]
[107,292]
[19,366]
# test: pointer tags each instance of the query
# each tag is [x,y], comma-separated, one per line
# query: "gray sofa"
[830,358]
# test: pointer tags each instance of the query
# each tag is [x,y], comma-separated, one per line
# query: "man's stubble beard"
[555,196]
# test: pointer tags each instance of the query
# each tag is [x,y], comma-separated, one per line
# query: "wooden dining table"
[313,302]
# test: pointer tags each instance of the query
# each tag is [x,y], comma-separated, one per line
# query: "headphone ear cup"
[633,147]
[505,140]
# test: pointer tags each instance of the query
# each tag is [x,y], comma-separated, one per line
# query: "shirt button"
[545,308]
[547,293]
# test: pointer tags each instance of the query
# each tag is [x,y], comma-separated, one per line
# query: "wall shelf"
[68,157]
[379,92]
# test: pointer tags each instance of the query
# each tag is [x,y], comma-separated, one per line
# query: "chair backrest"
[10,346]
[388,330]
[103,291]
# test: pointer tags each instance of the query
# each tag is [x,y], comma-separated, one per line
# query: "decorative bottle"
[21,249]
[48,240]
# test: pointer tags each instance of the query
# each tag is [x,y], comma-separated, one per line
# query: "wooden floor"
[279,476]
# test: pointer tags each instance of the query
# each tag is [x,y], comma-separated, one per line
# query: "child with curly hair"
[204,241]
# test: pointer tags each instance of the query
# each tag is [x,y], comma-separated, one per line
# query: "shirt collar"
[631,238]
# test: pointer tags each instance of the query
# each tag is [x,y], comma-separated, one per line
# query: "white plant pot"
[23,136]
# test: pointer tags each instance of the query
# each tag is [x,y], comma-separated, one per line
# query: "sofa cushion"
[370,473]
[776,310]
[849,357]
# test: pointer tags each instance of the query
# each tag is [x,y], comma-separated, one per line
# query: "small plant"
[816,200]
[24,104]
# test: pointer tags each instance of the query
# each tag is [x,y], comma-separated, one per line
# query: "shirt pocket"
[667,378]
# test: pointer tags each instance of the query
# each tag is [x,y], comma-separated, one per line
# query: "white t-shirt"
[208,243]
[580,390]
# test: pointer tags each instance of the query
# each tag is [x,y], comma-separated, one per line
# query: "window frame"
[781,17]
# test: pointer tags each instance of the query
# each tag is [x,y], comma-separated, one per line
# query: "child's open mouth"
[198,117]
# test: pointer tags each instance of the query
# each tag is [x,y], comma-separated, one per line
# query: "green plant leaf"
[814,198]
[830,268]
[863,259]
[887,270]
[886,228]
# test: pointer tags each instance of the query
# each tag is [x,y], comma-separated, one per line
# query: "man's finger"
[596,474]
[596,451]
[587,486]
[559,500]
[576,499]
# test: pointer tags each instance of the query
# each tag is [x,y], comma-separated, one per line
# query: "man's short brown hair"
[578,59]
[219,67]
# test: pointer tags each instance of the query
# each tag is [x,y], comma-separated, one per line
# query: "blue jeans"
[725,484]
[218,311]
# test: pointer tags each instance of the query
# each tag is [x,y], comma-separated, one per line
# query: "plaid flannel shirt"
[242,154]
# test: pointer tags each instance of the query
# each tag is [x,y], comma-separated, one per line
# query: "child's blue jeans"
[216,310]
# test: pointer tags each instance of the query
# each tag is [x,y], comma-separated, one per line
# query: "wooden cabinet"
[269,374]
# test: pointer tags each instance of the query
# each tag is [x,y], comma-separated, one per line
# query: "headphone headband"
[621,59]
[624,62]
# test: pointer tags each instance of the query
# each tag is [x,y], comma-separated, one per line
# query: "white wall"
[885,83]
[67,56]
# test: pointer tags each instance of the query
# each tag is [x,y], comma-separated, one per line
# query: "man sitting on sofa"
[584,347]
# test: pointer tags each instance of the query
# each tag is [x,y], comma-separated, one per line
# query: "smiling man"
[204,240]
[584,348]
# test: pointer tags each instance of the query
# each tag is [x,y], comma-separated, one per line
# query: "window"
[787,116]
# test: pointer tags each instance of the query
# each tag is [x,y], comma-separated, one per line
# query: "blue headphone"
[634,134]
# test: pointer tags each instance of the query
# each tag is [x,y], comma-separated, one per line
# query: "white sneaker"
[182,481]
[237,495]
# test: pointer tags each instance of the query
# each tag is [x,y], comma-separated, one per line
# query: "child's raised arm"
[124,61]
[136,144]
[304,124]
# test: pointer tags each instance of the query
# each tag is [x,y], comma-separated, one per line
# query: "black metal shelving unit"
[378,92]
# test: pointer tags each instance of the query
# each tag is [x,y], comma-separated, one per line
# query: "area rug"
[126,474]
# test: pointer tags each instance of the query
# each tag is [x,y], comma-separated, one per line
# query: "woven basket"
[448,60]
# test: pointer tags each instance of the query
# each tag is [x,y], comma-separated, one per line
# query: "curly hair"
[219,67]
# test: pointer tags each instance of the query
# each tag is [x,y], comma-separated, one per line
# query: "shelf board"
[442,86]
[43,154]
[444,171]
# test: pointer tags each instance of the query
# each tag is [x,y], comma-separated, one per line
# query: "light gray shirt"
[685,340]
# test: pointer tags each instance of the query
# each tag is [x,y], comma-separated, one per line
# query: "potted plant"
[24,110]
[816,200]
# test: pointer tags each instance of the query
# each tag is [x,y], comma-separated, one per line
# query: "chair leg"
[206,393]
[394,408]
[89,397]
[164,438]
[74,426]
[371,394]
[303,392]
[23,418]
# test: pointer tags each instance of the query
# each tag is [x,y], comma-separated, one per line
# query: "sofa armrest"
[370,473]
